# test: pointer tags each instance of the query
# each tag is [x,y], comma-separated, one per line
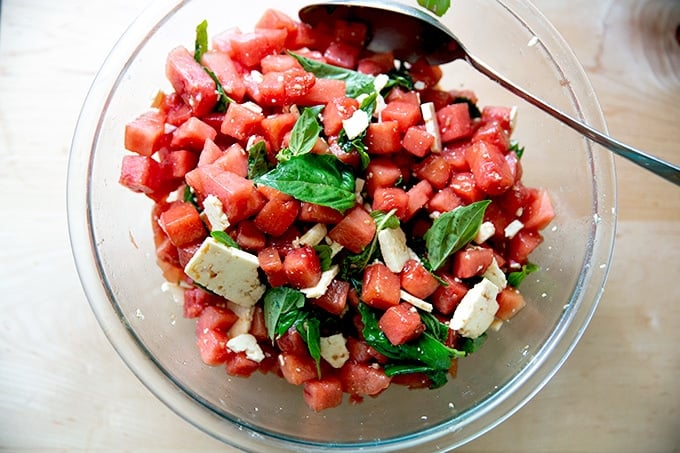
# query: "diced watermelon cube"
[454,122]
[143,134]
[406,114]
[417,280]
[240,122]
[303,267]
[381,287]
[510,302]
[182,223]
[320,394]
[401,323]
[191,81]
[192,135]
[363,379]
[383,137]
[355,231]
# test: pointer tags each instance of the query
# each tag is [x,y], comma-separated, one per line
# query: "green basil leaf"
[189,196]
[437,377]
[201,43]
[356,83]
[310,330]
[426,350]
[452,231]
[355,264]
[257,160]
[325,253]
[315,178]
[439,7]
[224,238]
[304,134]
[437,329]
[222,98]
[516,148]
[515,278]
[470,345]
[281,304]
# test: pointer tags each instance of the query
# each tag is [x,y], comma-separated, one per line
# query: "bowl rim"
[516,393]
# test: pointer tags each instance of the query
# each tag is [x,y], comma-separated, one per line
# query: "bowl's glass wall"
[158,343]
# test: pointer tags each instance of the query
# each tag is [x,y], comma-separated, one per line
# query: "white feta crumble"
[313,236]
[334,350]
[335,247]
[227,271]
[496,275]
[320,288]
[513,117]
[486,230]
[380,82]
[393,248]
[247,343]
[513,228]
[355,124]
[476,311]
[213,211]
[415,301]
[244,321]
[432,125]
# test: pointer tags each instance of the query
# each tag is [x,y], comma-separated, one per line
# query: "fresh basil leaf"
[224,238]
[257,160]
[437,329]
[453,230]
[281,304]
[325,254]
[473,110]
[471,345]
[399,77]
[356,83]
[201,43]
[515,278]
[516,148]
[314,178]
[426,349]
[355,264]
[439,7]
[310,330]
[304,134]
[189,196]
[437,377]
[222,98]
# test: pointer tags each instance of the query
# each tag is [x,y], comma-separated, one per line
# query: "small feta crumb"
[213,211]
[256,76]
[393,248]
[513,228]
[244,321]
[355,124]
[253,107]
[496,325]
[248,344]
[486,230]
[432,125]
[335,247]
[380,82]
[476,311]
[334,350]
[313,236]
[513,118]
[419,85]
[320,288]
[533,41]
[415,301]
[359,184]
[495,275]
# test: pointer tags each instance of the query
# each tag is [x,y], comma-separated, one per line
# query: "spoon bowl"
[411,33]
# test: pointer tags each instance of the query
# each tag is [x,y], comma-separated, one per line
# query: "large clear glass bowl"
[113,245]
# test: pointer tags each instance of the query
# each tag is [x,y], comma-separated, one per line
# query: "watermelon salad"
[332,215]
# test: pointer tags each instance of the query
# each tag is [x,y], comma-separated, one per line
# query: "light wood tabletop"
[63,387]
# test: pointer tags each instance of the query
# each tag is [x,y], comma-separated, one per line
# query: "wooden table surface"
[62,386]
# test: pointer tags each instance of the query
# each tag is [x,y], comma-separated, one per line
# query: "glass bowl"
[113,245]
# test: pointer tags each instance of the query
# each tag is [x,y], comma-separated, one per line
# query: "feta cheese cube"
[486,230]
[314,235]
[355,124]
[415,301]
[432,125]
[476,311]
[495,275]
[213,211]
[320,288]
[513,228]
[248,344]
[393,248]
[334,350]
[227,271]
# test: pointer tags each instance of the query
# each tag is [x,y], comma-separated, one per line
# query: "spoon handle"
[666,170]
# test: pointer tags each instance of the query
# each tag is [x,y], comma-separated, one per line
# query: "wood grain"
[63,388]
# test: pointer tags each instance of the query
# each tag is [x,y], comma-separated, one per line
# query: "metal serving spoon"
[411,33]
